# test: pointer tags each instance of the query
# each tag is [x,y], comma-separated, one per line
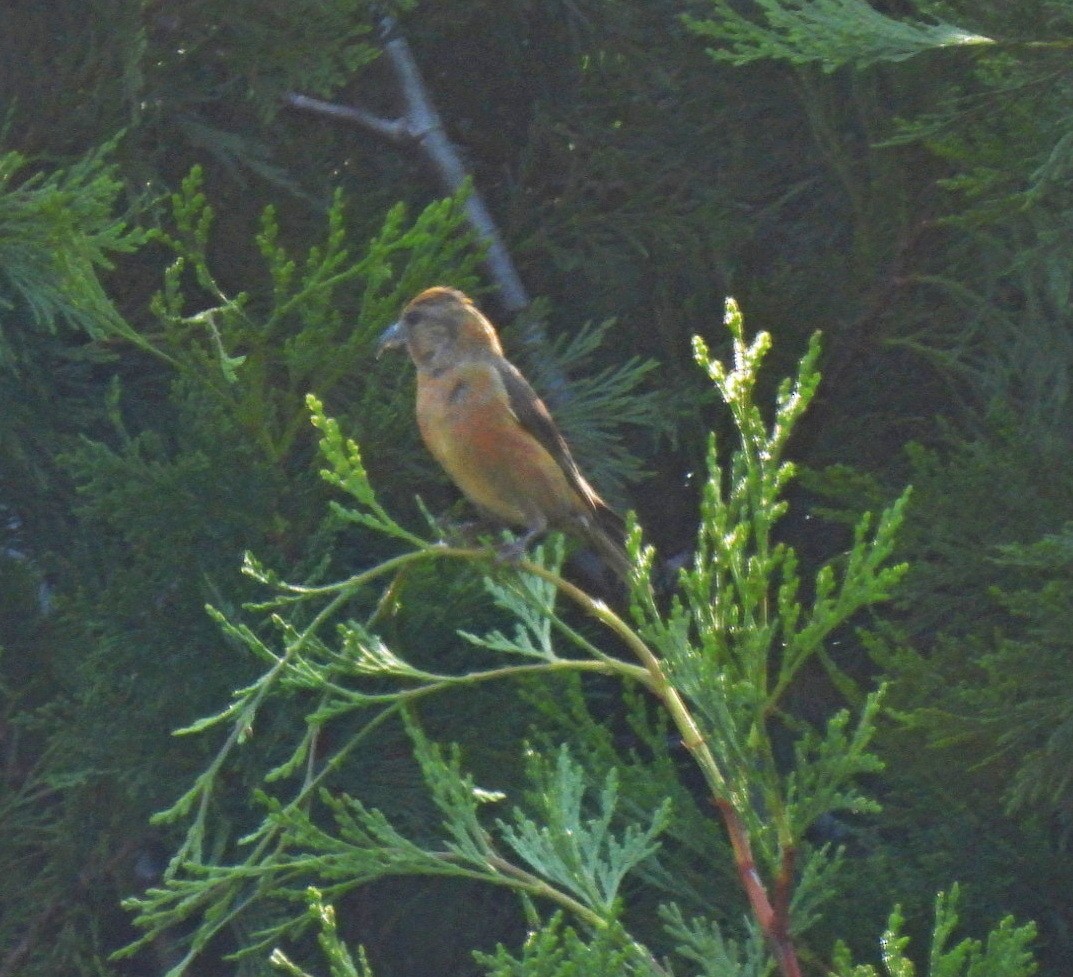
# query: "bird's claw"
[512,552]
[458,533]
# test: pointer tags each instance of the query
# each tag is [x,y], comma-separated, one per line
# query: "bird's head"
[439,327]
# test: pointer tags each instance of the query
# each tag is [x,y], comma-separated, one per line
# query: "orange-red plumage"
[490,431]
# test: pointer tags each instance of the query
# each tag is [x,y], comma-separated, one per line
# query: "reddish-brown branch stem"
[784,886]
[773,918]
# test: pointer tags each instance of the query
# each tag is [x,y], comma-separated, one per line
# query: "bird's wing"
[533,415]
[601,526]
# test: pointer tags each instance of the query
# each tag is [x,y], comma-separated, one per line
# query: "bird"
[496,439]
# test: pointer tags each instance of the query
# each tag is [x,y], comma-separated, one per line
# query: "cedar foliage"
[837,165]
[719,662]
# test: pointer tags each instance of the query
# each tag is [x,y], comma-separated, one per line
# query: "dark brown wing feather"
[602,526]
[534,417]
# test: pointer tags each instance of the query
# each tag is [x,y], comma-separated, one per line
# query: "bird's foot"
[512,552]
[460,533]
[518,549]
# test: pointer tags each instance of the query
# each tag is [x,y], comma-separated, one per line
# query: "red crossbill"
[490,431]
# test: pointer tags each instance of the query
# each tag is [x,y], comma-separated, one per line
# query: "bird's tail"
[605,531]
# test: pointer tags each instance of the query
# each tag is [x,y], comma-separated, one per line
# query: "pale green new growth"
[340,961]
[1005,954]
[738,633]
[347,472]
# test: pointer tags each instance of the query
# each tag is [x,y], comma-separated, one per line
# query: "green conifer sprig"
[313,326]
[58,233]
[703,943]
[831,33]
[1006,952]
[346,471]
[737,633]
[558,950]
[580,853]
[341,962]
[717,664]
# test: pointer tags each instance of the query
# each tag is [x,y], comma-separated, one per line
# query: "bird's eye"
[412,317]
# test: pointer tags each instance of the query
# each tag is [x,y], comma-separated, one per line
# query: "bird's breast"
[467,423]
[455,407]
